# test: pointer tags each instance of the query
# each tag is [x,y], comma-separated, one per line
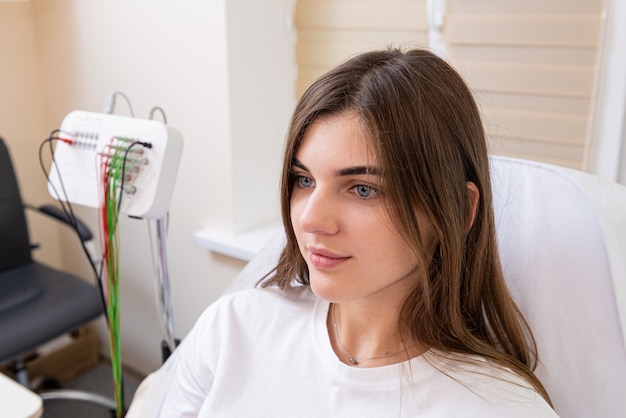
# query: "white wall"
[22,118]
[197,61]
[262,75]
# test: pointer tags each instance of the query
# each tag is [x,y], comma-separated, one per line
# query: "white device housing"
[75,176]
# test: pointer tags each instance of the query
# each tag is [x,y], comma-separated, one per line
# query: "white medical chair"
[562,237]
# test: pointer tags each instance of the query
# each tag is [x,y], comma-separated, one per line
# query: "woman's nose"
[319,213]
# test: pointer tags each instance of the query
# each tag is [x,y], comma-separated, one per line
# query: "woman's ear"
[473,197]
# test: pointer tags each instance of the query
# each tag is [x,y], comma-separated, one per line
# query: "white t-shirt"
[267,353]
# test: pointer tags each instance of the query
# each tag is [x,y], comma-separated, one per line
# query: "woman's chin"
[328,289]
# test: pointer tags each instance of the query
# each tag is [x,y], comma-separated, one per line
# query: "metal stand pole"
[169,342]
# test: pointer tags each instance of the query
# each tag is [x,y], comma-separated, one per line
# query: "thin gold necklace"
[353,360]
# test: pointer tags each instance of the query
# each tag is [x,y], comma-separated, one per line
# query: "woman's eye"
[305,182]
[364,191]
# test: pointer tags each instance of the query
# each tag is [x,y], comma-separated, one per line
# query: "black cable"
[145,145]
[69,212]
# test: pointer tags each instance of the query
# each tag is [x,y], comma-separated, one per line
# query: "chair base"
[81,396]
[78,395]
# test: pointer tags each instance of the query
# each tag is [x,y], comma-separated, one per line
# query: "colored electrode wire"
[114,164]
[118,164]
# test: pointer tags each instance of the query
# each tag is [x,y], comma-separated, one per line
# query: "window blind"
[532,67]
[330,31]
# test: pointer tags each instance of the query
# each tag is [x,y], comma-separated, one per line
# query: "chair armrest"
[55,212]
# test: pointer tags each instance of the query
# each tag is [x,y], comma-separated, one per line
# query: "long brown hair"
[429,140]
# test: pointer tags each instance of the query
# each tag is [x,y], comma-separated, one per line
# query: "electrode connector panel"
[143,154]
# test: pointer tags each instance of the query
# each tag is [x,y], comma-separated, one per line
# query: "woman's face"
[338,212]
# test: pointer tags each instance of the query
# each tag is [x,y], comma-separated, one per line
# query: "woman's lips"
[323,259]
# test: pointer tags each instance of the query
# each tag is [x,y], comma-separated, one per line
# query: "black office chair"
[37,303]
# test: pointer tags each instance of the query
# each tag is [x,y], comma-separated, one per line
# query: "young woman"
[388,299]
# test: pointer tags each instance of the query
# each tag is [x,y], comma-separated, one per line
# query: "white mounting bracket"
[91,135]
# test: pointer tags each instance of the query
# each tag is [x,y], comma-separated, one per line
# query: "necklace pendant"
[353,361]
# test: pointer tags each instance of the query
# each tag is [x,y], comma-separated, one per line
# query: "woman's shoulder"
[262,302]
[251,314]
[262,295]
[489,390]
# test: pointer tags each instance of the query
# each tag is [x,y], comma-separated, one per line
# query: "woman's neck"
[366,336]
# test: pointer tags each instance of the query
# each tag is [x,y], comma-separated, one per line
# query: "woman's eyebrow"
[299,164]
[349,171]
[352,171]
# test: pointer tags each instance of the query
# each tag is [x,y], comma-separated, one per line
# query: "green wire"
[112,195]
[113,190]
